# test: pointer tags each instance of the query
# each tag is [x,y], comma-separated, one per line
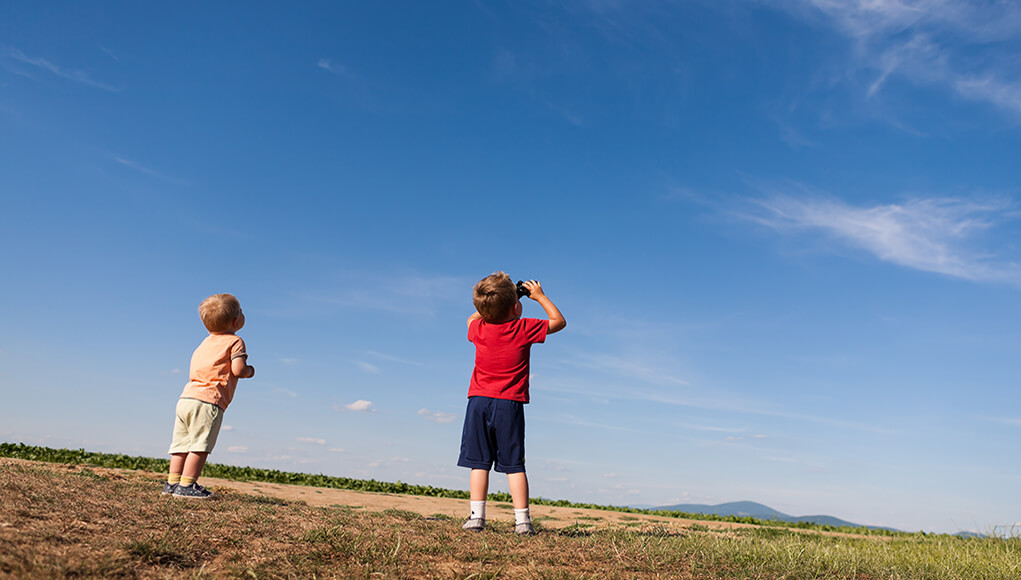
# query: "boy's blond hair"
[219,311]
[495,296]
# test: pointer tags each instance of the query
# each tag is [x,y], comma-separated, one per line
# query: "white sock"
[522,516]
[478,510]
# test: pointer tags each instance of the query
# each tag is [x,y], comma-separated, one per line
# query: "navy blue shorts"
[494,431]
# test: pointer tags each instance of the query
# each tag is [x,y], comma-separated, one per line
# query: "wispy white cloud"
[986,87]
[579,422]
[743,438]
[360,406]
[285,392]
[706,398]
[931,234]
[402,294]
[1011,421]
[437,416]
[367,367]
[625,367]
[329,65]
[966,47]
[711,428]
[312,440]
[148,171]
[391,358]
[237,449]
[77,76]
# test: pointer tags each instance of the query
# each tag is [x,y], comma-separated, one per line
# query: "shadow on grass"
[157,552]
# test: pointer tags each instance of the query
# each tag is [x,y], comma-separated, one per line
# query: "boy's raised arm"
[241,369]
[556,319]
[474,316]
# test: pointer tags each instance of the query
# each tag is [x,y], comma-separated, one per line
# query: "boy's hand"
[534,289]
[556,319]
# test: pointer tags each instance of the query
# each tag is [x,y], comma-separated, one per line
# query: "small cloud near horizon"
[437,416]
[313,440]
[360,406]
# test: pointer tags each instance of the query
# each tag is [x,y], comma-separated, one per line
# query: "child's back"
[502,357]
[494,422]
[216,365]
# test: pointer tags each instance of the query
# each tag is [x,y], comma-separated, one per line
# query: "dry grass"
[61,521]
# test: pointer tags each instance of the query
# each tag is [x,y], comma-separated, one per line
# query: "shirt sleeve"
[536,330]
[237,349]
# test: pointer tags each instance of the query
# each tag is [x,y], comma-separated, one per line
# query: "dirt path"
[548,516]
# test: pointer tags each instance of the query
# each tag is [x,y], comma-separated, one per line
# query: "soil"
[550,516]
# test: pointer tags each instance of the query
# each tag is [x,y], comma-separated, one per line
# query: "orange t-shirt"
[210,378]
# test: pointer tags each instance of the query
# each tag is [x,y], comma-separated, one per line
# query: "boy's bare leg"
[519,495]
[518,483]
[177,463]
[193,464]
[479,484]
[479,487]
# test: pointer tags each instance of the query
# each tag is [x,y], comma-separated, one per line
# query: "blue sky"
[783,233]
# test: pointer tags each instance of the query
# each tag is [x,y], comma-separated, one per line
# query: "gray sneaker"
[169,488]
[474,524]
[524,529]
[194,490]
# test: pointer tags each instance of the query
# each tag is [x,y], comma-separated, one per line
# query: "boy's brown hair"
[219,311]
[495,297]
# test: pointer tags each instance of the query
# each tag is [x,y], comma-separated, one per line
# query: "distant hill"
[757,511]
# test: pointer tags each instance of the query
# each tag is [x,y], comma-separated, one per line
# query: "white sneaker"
[524,529]
[474,524]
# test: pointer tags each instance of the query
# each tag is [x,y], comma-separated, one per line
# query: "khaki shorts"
[197,426]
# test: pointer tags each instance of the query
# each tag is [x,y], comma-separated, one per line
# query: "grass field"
[74,520]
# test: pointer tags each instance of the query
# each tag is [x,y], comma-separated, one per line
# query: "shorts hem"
[509,469]
[475,465]
[177,451]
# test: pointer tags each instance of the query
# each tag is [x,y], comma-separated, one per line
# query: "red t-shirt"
[501,357]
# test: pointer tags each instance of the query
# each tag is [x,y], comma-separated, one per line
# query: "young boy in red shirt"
[494,423]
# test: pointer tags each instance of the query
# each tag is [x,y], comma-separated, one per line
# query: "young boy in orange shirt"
[494,423]
[216,366]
